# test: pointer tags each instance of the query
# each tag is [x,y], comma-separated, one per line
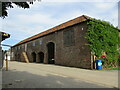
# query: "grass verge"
[113,68]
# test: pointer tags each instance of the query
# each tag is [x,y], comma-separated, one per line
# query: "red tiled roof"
[61,26]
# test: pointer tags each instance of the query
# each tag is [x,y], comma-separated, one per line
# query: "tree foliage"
[6,5]
[103,37]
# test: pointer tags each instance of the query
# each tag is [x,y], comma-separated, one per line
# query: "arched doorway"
[51,52]
[34,57]
[41,57]
[18,57]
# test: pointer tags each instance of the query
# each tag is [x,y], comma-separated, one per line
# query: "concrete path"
[63,76]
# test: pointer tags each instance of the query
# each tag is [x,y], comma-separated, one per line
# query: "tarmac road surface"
[35,75]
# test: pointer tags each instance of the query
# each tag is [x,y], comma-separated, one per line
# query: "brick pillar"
[45,57]
[37,58]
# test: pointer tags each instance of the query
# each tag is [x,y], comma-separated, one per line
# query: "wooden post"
[94,62]
[6,63]
[93,58]
[25,57]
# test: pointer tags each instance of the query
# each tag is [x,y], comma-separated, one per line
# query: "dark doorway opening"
[34,57]
[18,57]
[41,57]
[51,51]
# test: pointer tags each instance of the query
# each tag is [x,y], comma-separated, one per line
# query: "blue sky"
[23,23]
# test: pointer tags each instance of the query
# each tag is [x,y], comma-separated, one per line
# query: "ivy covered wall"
[103,37]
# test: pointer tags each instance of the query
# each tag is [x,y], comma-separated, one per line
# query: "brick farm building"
[64,45]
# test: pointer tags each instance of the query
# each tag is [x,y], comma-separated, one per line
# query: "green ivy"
[103,36]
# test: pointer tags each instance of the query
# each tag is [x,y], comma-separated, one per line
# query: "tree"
[6,5]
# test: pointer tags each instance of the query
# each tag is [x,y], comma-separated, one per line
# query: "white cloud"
[80,0]
[22,23]
[104,5]
[0,24]
[114,18]
[36,18]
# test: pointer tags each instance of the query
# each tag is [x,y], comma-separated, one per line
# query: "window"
[33,43]
[18,47]
[22,45]
[40,42]
[69,37]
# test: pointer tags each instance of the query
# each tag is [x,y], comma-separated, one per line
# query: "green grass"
[113,69]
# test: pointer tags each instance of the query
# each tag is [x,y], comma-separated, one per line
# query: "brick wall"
[75,53]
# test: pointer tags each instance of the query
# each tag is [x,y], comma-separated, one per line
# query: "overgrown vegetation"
[103,37]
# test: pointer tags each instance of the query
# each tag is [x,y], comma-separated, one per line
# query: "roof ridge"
[56,28]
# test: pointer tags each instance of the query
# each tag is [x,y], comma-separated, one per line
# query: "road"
[32,75]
